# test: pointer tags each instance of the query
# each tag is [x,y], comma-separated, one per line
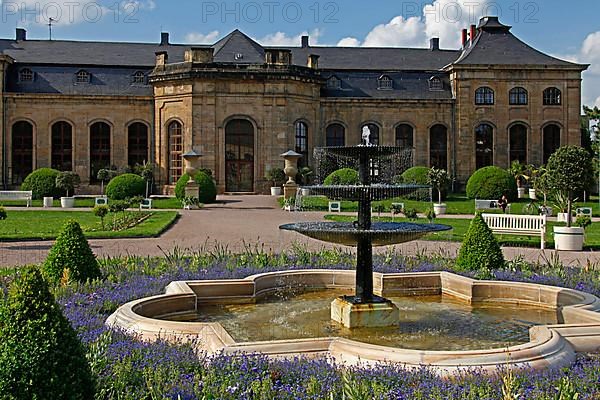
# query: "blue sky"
[569,30]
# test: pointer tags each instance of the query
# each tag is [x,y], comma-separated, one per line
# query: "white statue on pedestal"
[366,136]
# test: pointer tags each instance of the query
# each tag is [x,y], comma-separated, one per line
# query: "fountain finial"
[366,136]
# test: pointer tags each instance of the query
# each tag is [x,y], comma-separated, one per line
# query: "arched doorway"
[518,143]
[239,156]
[551,141]
[22,151]
[484,146]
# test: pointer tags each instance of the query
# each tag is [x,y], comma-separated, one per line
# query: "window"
[484,96]
[334,83]
[374,138]
[302,142]
[336,135]
[99,149]
[22,151]
[518,97]
[137,144]
[26,75]
[484,146]
[139,78]
[518,143]
[551,140]
[552,97]
[435,83]
[175,132]
[83,77]
[404,136]
[385,83]
[438,146]
[62,146]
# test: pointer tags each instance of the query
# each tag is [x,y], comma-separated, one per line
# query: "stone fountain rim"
[549,345]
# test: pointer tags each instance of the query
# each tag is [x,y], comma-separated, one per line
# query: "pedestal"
[290,190]
[192,189]
[371,315]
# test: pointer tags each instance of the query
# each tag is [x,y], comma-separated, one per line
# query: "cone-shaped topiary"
[72,251]
[480,249]
[41,356]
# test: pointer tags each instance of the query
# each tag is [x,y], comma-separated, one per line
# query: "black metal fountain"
[365,309]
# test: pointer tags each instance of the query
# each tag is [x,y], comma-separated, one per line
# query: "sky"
[569,30]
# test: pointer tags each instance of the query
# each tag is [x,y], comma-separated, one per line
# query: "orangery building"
[84,106]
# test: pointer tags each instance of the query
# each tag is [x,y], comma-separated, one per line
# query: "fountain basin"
[554,345]
[381,233]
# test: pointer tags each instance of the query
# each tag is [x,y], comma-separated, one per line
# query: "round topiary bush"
[491,183]
[41,356]
[125,187]
[480,249]
[345,176]
[71,251]
[208,189]
[42,183]
[414,175]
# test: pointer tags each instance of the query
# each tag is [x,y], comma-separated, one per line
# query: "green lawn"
[460,227]
[162,204]
[46,225]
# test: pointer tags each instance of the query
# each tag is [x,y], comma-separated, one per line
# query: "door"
[239,156]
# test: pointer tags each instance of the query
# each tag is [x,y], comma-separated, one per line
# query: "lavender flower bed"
[128,369]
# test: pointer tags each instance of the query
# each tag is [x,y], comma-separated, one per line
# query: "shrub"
[126,186]
[345,176]
[480,249]
[276,176]
[71,251]
[41,356]
[101,212]
[492,183]
[208,189]
[3,214]
[414,176]
[42,183]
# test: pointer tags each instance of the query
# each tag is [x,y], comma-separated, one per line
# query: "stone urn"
[291,171]
[191,169]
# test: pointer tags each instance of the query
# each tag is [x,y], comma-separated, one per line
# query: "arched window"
[335,135]
[518,96]
[484,146]
[484,96]
[62,146]
[175,132]
[137,144]
[551,140]
[302,142]
[438,146]
[334,83]
[518,143]
[83,77]
[22,151]
[26,75]
[99,149]
[139,78]
[552,97]
[385,83]
[374,138]
[405,136]
[435,83]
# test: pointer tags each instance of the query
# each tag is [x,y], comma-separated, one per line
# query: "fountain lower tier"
[366,193]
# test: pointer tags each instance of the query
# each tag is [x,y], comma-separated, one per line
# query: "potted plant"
[534,176]
[570,171]
[519,172]
[439,179]
[276,176]
[67,182]
[561,204]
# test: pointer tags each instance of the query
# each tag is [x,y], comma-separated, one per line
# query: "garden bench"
[146,204]
[335,206]
[489,205]
[528,225]
[101,201]
[584,212]
[13,195]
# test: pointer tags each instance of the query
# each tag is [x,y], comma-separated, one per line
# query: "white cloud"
[349,42]
[200,38]
[282,39]
[398,32]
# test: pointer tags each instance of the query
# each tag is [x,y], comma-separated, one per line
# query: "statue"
[366,136]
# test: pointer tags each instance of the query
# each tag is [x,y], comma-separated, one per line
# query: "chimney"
[473,33]
[305,42]
[162,58]
[21,34]
[201,55]
[313,61]
[434,44]
[465,33]
[164,39]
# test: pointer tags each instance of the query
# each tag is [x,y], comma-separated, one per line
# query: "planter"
[532,194]
[48,202]
[439,209]
[568,239]
[276,191]
[562,217]
[67,202]
[521,192]
[305,192]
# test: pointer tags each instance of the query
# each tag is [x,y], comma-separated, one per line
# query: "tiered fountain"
[364,309]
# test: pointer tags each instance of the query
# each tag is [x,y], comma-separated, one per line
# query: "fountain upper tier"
[371,152]
[371,192]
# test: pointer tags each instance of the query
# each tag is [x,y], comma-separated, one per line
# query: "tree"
[101,212]
[146,171]
[570,171]
[41,356]
[67,181]
[439,179]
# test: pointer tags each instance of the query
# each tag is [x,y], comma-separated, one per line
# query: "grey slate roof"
[238,43]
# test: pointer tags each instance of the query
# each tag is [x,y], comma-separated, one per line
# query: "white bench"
[335,206]
[101,201]
[489,205]
[584,212]
[527,225]
[146,204]
[13,195]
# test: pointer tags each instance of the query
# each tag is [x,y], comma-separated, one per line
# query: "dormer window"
[83,77]
[334,83]
[484,96]
[139,78]
[385,83]
[238,56]
[435,83]
[26,75]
